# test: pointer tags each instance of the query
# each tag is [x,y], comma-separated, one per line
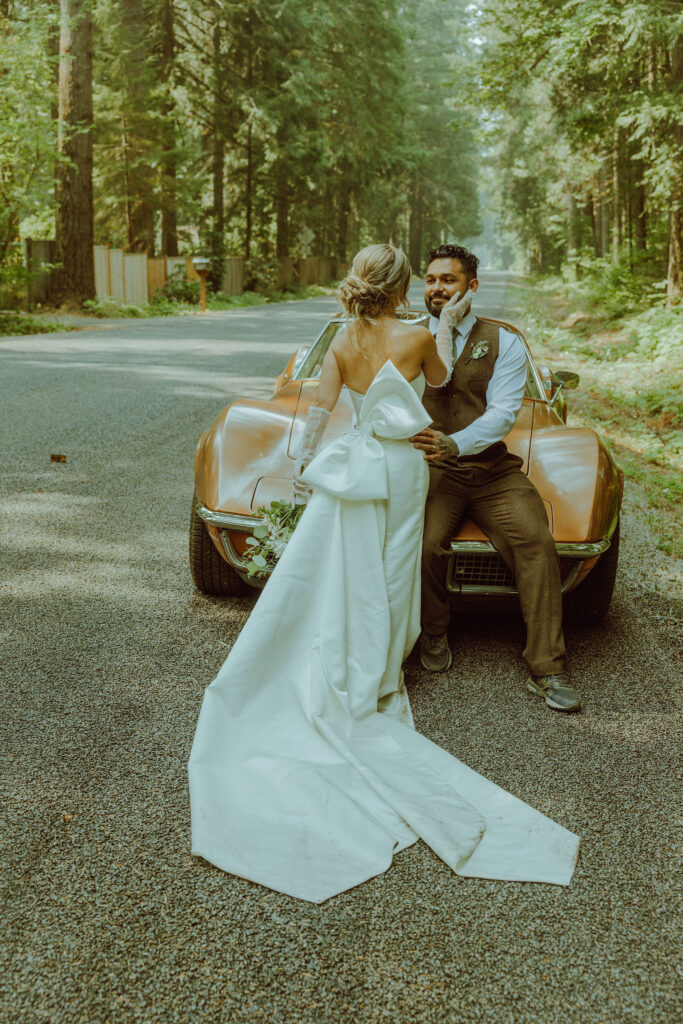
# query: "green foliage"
[262,274]
[271,536]
[18,323]
[179,288]
[162,305]
[584,104]
[291,129]
[13,278]
[111,309]
[27,132]
[263,128]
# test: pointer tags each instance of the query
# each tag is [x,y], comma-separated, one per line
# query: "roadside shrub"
[110,309]
[222,301]
[179,288]
[13,278]
[19,323]
[614,289]
[261,274]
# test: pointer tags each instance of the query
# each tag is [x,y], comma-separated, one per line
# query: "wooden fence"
[131,278]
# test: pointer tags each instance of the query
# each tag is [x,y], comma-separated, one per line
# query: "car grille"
[469,572]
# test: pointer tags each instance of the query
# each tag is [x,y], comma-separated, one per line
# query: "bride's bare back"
[359,351]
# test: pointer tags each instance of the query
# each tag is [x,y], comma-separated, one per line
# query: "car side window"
[312,365]
[532,389]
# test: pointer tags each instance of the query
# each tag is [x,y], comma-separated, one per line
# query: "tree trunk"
[593,222]
[602,213]
[53,53]
[281,211]
[343,226]
[248,197]
[415,254]
[218,212]
[674,280]
[217,168]
[74,220]
[572,227]
[640,215]
[169,212]
[616,201]
[281,200]
[140,197]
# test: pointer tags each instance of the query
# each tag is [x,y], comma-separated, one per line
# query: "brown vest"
[463,398]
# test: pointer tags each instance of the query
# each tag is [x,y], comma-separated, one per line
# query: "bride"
[306,772]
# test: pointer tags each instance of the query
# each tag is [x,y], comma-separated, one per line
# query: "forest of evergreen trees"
[258,128]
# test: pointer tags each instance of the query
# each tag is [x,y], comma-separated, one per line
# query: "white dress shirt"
[504,393]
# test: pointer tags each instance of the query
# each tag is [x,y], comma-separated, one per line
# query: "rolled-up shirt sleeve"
[504,396]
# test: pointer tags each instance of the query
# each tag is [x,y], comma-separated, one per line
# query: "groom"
[472,473]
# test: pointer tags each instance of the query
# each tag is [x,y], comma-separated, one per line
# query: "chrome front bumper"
[228,523]
[475,567]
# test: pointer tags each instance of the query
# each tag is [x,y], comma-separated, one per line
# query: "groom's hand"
[435,445]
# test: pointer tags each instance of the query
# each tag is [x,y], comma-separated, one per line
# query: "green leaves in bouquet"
[271,536]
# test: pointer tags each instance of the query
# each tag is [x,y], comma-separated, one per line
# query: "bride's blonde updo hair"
[377,282]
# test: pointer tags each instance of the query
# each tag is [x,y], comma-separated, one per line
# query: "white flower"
[478,351]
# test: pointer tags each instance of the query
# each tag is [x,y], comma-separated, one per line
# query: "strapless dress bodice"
[358,397]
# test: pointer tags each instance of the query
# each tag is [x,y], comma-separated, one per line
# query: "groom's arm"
[504,396]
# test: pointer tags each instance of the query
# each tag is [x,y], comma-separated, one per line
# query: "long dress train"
[306,773]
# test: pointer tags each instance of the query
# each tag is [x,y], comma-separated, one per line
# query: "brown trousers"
[509,510]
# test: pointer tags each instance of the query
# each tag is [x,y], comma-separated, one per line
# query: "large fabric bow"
[354,466]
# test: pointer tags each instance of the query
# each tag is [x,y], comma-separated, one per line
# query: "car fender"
[573,470]
[248,440]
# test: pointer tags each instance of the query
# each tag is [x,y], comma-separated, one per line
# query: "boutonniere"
[478,351]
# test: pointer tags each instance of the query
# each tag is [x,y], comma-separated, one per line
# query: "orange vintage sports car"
[246,458]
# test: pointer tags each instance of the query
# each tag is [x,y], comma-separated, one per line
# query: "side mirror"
[565,379]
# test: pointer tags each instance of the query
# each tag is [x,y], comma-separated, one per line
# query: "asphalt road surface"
[106,650]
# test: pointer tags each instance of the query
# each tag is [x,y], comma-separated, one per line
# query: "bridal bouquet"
[272,536]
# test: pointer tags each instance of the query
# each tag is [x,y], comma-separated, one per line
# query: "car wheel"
[589,603]
[211,573]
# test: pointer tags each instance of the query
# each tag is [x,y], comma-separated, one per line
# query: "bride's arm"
[433,363]
[319,411]
[455,310]
[329,388]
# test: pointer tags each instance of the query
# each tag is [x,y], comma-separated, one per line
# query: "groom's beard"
[436,310]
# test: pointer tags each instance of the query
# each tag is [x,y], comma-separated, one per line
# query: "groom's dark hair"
[470,262]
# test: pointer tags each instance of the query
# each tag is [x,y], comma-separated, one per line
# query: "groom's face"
[444,278]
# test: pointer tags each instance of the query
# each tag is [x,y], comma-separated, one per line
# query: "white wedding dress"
[306,774]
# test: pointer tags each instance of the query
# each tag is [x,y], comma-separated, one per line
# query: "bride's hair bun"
[377,282]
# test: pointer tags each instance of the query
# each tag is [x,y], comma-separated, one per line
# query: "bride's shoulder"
[341,342]
[413,334]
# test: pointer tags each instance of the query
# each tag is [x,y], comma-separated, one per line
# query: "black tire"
[211,573]
[589,603]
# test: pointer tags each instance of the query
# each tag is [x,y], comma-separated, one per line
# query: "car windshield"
[312,365]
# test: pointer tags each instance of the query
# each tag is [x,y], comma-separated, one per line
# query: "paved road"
[106,650]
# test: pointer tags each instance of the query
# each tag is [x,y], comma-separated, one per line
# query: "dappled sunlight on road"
[207,383]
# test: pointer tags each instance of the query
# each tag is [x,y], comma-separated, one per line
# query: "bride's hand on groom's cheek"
[457,307]
[435,445]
